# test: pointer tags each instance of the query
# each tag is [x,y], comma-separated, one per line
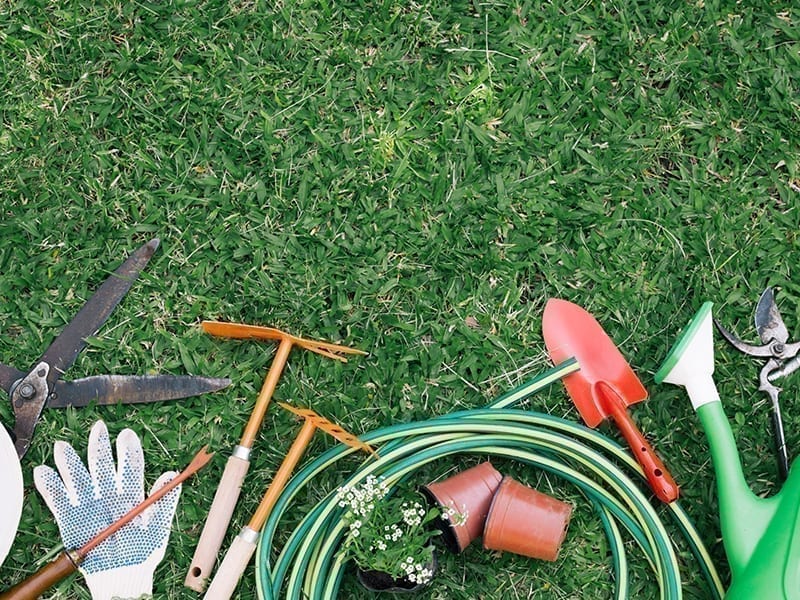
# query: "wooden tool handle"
[219,517]
[38,583]
[282,475]
[658,477]
[233,565]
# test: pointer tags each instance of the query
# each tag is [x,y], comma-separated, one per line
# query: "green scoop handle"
[760,535]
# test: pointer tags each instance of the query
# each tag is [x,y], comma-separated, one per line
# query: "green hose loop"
[310,566]
[658,549]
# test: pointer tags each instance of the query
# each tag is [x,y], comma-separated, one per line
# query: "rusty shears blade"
[31,391]
[781,360]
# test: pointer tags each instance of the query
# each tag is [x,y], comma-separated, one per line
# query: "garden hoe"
[243,546]
[230,485]
[604,386]
[760,535]
[68,560]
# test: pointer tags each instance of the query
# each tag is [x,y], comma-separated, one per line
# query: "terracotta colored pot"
[524,521]
[471,491]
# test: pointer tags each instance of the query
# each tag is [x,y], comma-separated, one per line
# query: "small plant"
[389,533]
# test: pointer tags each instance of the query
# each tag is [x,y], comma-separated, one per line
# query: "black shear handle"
[779,436]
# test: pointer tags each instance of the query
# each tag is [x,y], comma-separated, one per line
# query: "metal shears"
[30,391]
[782,360]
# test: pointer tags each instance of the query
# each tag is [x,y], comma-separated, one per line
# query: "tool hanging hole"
[196,571]
[657,472]
[644,449]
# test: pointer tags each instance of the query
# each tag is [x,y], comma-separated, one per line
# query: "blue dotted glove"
[86,502]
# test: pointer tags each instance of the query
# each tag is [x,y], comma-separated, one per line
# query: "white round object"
[11,495]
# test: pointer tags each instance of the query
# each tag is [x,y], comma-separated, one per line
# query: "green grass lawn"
[412,179]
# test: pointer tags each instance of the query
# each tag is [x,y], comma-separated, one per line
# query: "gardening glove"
[86,502]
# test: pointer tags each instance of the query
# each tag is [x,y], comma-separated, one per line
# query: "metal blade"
[9,376]
[131,389]
[29,397]
[744,347]
[768,320]
[64,350]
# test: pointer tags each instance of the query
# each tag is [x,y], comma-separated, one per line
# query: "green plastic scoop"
[759,534]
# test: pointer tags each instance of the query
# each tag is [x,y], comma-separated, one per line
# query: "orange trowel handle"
[658,477]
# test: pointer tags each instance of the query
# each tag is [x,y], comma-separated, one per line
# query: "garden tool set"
[116,537]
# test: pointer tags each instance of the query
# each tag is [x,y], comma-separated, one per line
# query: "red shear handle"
[658,477]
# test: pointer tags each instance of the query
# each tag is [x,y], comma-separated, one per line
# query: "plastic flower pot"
[524,521]
[380,581]
[469,493]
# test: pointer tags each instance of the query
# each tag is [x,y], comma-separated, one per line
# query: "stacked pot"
[510,516]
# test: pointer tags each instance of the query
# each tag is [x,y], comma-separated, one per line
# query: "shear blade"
[769,324]
[131,389]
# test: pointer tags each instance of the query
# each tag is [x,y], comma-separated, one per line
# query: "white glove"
[86,502]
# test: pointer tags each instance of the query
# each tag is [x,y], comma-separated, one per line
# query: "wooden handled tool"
[68,561]
[243,546]
[229,488]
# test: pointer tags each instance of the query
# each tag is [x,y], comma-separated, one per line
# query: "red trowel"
[604,386]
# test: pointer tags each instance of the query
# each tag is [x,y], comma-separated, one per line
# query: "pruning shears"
[782,360]
[30,391]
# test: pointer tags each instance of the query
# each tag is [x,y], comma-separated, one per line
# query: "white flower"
[424,576]
[454,516]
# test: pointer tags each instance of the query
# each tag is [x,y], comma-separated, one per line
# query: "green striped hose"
[309,565]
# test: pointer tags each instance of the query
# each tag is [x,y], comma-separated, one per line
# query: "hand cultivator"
[236,468]
[241,551]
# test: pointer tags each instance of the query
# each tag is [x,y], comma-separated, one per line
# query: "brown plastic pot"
[524,521]
[471,491]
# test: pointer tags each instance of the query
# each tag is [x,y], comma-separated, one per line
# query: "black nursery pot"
[379,581]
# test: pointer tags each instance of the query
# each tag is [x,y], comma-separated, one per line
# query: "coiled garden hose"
[309,565]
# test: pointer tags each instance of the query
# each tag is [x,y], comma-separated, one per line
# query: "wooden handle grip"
[219,517]
[661,482]
[233,565]
[38,583]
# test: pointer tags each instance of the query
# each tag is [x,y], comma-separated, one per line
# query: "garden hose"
[309,565]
